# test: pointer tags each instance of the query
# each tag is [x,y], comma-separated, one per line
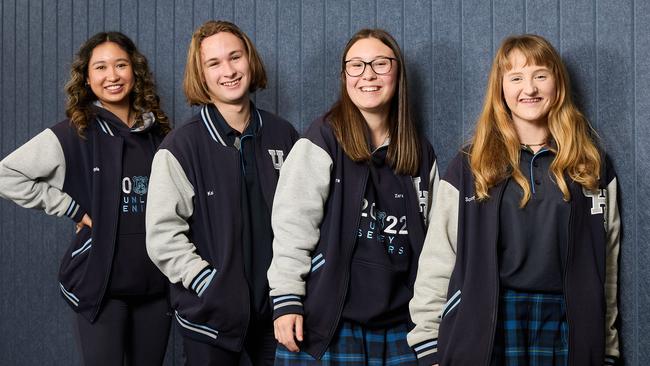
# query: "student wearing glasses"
[349,219]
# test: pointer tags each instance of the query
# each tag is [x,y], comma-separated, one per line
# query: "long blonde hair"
[495,147]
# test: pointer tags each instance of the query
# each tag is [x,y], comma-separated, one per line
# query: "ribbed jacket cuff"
[74,211]
[611,360]
[202,280]
[286,304]
[427,352]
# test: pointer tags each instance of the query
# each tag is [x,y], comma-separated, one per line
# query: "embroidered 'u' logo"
[277,157]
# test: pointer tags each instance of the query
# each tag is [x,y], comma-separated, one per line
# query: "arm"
[298,208]
[434,271]
[33,175]
[611,275]
[169,207]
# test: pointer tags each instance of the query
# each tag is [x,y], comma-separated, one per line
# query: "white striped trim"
[197,280]
[72,209]
[207,121]
[83,248]
[316,258]
[201,329]
[317,262]
[431,344]
[451,304]
[281,305]
[205,283]
[287,297]
[318,265]
[69,295]
[105,127]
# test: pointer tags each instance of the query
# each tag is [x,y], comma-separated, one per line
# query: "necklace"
[534,145]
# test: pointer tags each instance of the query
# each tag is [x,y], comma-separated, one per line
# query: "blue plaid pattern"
[356,345]
[532,330]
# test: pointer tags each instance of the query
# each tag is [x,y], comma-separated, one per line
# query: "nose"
[530,88]
[228,70]
[368,73]
[113,75]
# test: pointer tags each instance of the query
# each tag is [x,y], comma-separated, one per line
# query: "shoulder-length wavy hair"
[143,97]
[495,148]
[350,127]
[194,84]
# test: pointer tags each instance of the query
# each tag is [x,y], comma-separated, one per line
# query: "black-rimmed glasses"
[380,66]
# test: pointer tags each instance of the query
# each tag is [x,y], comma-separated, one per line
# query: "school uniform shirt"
[533,239]
[63,174]
[316,220]
[257,235]
[195,226]
[456,294]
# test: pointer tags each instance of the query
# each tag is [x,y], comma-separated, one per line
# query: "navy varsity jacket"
[63,174]
[315,220]
[194,222]
[456,293]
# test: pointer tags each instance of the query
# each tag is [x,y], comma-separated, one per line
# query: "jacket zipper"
[248,313]
[114,236]
[346,280]
[495,307]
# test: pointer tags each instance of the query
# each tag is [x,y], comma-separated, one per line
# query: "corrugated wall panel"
[639,283]
[448,45]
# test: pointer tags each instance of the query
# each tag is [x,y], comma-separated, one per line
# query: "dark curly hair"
[80,97]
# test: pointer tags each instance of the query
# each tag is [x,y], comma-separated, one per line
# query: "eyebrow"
[217,58]
[541,68]
[374,58]
[104,61]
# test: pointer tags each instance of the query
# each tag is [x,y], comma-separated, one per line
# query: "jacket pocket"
[74,265]
[450,305]
[200,330]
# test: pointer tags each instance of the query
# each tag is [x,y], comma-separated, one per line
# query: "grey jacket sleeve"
[434,271]
[32,176]
[613,226]
[298,207]
[169,206]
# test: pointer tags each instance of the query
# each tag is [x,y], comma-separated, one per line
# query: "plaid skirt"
[531,330]
[353,344]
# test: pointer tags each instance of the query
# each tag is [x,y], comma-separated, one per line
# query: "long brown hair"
[350,127]
[495,147]
[194,84]
[80,97]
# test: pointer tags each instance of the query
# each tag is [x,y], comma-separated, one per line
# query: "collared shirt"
[257,235]
[533,239]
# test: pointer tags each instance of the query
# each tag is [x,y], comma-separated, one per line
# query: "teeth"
[113,87]
[369,88]
[531,100]
[230,83]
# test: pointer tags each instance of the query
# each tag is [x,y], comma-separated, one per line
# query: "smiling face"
[226,68]
[110,75]
[529,90]
[370,92]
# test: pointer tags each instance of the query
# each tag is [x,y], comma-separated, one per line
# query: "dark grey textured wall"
[448,45]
